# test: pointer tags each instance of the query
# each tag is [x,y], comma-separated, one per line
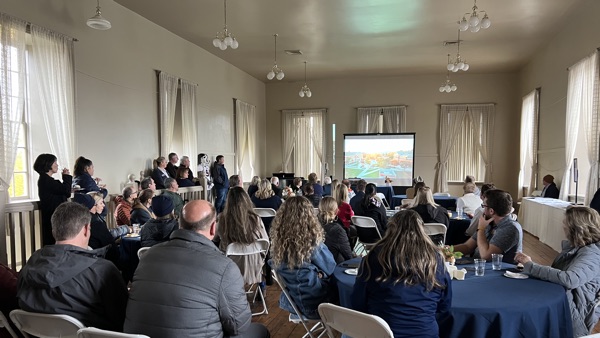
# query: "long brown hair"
[238,223]
[295,233]
[406,253]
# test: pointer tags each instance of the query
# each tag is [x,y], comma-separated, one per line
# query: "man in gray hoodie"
[67,278]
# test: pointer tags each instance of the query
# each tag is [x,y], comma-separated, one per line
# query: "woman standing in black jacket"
[51,192]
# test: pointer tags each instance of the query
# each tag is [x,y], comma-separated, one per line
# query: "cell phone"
[350,265]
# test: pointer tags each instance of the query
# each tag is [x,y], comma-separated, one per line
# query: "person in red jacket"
[124,205]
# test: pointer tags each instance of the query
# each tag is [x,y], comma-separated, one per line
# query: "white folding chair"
[368,225]
[265,212]
[45,325]
[261,246]
[353,323]
[142,251]
[299,317]
[4,323]
[433,229]
[383,200]
[92,332]
[446,194]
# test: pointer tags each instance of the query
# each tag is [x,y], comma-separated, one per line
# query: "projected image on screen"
[374,157]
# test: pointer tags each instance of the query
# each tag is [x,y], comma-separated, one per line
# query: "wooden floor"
[277,319]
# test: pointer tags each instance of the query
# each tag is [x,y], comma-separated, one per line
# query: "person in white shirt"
[469,202]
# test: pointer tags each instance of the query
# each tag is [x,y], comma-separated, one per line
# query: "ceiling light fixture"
[305,91]
[474,23]
[448,86]
[97,21]
[224,38]
[275,71]
[458,63]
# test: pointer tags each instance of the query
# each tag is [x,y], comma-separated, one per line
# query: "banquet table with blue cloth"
[448,202]
[493,305]
[129,258]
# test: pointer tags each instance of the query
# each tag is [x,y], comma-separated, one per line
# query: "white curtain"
[589,114]
[245,138]
[167,87]
[188,121]
[12,87]
[528,148]
[451,118]
[482,118]
[368,119]
[580,100]
[394,119]
[54,89]
[304,141]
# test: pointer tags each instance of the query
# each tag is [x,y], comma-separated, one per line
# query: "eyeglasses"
[484,206]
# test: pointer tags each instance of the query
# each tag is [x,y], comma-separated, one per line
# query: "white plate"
[352,272]
[515,275]
[132,235]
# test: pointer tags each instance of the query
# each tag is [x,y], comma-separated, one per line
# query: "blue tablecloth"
[494,306]
[455,234]
[448,202]
[388,192]
[129,258]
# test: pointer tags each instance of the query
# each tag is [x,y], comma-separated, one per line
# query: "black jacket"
[551,191]
[70,280]
[186,287]
[432,214]
[101,237]
[219,175]
[52,193]
[172,170]
[156,231]
[356,200]
[159,178]
[337,242]
[377,213]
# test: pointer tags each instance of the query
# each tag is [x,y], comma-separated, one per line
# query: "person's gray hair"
[169,182]
[183,158]
[275,180]
[68,220]
[200,225]
[145,184]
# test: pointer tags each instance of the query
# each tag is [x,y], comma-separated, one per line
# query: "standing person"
[185,163]
[186,287]
[300,257]
[160,174]
[52,192]
[84,172]
[221,180]
[172,165]
[550,190]
[238,223]
[576,268]
[403,279]
[336,237]
[70,279]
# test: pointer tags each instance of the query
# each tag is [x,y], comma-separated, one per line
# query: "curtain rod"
[29,24]
[392,106]
[158,71]
[596,50]
[325,109]
[465,104]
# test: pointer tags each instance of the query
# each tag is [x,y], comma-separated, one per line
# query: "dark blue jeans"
[220,195]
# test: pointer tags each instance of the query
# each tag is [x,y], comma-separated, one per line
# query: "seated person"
[475,221]
[550,190]
[309,193]
[183,177]
[253,186]
[595,203]
[429,211]
[336,238]
[576,268]
[68,278]
[275,186]
[469,202]
[8,295]
[142,209]
[412,287]
[497,232]
[317,188]
[471,179]
[297,186]
[148,183]
[411,200]
[327,186]
[125,206]
[235,181]
[301,258]
[185,163]
[265,197]
[172,193]
[158,230]
[345,211]
[83,172]
[360,193]
[351,192]
[371,206]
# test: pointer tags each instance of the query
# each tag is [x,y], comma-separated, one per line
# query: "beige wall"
[421,95]
[116,102]
[548,70]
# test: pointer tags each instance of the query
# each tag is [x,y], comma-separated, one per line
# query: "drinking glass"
[496,261]
[136,228]
[459,213]
[479,267]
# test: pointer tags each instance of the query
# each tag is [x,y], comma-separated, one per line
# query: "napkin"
[455,272]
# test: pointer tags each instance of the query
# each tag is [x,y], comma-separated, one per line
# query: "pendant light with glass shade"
[305,91]
[224,38]
[474,24]
[275,71]
[97,21]
[448,86]
[459,63]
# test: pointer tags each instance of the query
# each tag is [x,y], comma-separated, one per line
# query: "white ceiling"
[357,38]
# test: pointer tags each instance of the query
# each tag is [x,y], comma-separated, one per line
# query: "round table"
[493,305]
[129,258]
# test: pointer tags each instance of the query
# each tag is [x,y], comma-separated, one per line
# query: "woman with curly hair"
[576,268]
[238,223]
[336,237]
[403,279]
[300,257]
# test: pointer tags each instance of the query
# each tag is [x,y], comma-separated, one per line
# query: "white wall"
[421,95]
[548,70]
[116,99]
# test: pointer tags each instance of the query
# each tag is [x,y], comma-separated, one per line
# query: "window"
[529,141]
[20,183]
[465,158]
[381,119]
[303,141]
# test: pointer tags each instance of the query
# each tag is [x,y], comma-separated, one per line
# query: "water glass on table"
[497,261]
[136,228]
[479,267]
[459,213]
